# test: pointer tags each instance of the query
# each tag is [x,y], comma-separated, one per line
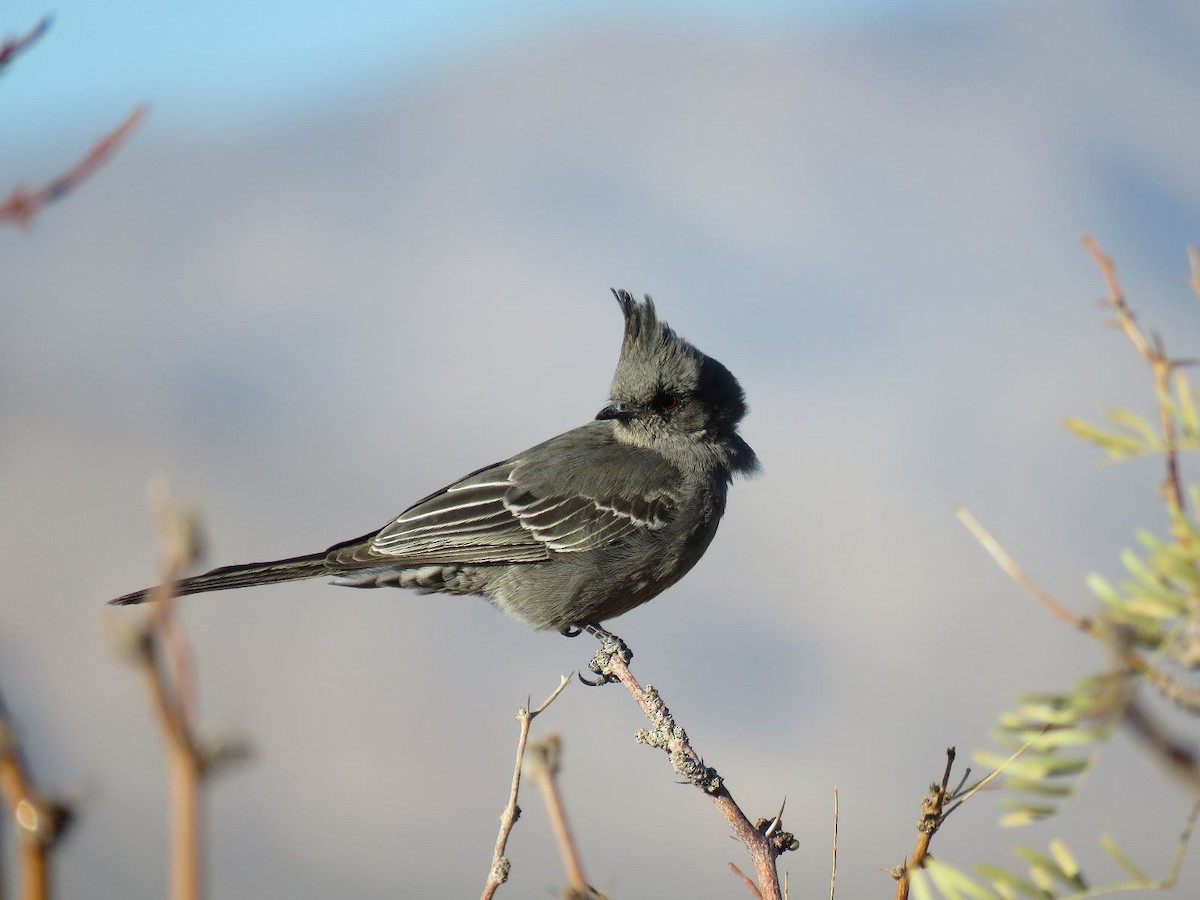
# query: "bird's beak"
[616,410]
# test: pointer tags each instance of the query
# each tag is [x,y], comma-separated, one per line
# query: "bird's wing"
[494,516]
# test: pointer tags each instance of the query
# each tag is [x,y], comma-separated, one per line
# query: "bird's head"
[665,389]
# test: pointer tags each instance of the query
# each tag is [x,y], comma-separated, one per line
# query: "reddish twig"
[22,205]
[746,880]
[765,839]
[498,873]
[10,47]
[39,821]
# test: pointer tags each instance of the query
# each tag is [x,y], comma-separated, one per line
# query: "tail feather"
[244,575]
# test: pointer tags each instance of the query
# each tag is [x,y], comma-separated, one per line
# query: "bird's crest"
[652,355]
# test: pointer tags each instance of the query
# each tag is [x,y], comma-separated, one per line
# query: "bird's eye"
[669,402]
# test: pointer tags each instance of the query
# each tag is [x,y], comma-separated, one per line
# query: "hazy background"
[359,250]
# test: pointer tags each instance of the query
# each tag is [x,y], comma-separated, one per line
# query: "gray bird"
[574,531]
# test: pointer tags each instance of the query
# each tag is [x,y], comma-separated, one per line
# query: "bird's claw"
[595,682]
[610,646]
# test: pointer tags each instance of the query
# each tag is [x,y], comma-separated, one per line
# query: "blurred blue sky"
[201,64]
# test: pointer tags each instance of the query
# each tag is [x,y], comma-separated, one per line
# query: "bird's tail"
[244,575]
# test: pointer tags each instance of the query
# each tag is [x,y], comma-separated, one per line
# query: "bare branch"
[11,47]
[164,662]
[833,871]
[930,821]
[39,821]
[1092,627]
[21,205]
[1016,573]
[498,873]
[1161,365]
[612,663]
[544,760]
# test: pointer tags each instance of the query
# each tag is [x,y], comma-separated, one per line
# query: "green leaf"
[1117,446]
[1109,843]
[1026,816]
[1137,426]
[919,884]
[1043,868]
[1099,586]
[1067,864]
[953,883]
[1185,406]
[1002,880]
[1035,767]
[1040,788]
[1148,580]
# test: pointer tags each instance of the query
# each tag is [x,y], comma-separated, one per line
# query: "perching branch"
[765,840]
[498,874]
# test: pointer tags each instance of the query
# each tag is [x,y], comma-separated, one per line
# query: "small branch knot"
[500,870]
[772,829]
[42,821]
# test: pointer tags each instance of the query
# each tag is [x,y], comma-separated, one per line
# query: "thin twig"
[1194,262]
[545,757]
[960,798]
[1089,626]
[21,205]
[930,821]
[1161,365]
[833,871]
[665,734]
[39,821]
[164,663]
[746,880]
[1016,573]
[498,873]
[10,47]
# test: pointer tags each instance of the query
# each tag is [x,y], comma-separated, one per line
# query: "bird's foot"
[610,647]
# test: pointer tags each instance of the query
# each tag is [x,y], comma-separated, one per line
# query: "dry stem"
[833,870]
[764,840]
[164,662]
[1089,626]
[38,820]
[931,820]
[545,756]
[498,873]
[1162,366]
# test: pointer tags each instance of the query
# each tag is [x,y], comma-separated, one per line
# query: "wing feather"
[492,517]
